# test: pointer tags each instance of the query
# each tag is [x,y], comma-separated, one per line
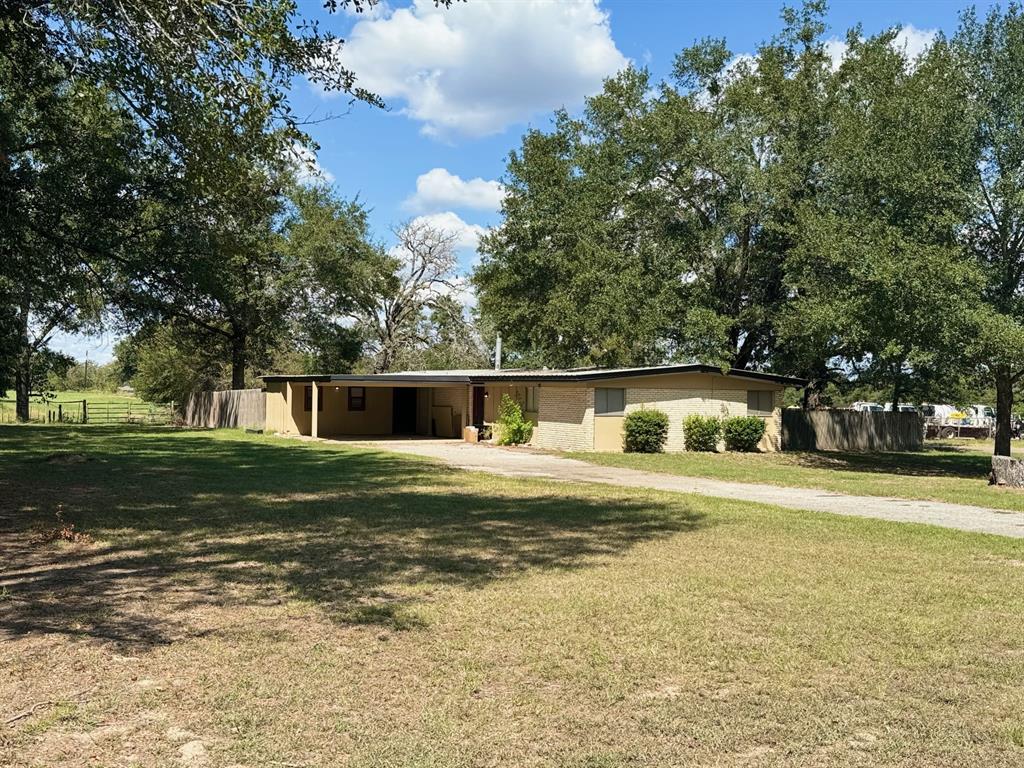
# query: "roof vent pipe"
[497,353]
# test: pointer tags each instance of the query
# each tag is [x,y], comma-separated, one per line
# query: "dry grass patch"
[252,601]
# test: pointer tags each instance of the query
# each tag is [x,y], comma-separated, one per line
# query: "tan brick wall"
[772,440]
[565,420]
[680,403]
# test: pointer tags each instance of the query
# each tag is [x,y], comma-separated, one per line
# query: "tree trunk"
[23,386]
[238,358]
[23,371]
[1004,410]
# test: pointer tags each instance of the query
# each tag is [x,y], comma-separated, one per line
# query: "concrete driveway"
[524,463]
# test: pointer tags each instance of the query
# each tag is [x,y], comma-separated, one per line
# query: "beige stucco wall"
[278,419]
[337,419]
[608,433]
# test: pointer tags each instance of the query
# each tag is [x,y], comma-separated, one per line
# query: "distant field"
[104,407]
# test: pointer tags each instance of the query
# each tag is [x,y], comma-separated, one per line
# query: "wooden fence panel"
[241,408]
[851,431]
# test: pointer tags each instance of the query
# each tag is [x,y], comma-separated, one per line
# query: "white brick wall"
[565,420]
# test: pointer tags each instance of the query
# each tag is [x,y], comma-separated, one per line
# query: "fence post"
[60,412]
[85,411]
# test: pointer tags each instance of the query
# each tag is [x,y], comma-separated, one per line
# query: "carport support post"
[314,427]
[288,405]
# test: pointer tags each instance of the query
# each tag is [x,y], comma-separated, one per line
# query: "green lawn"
[956,473]
[255,601]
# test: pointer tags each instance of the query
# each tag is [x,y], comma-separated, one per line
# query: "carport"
[381,405]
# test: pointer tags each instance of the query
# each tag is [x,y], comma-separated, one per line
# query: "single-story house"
[573,410]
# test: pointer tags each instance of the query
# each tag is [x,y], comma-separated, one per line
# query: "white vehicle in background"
[901,408]
[866,407]
[948,421]
[981,415]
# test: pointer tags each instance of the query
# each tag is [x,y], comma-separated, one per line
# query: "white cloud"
[307,168]
[910,41]
[467,236]
[474,69]
[913,41]
[438,189]
[836,50]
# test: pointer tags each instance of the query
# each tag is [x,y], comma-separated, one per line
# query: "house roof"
[484,375]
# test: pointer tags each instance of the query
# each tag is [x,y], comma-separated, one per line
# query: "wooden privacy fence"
[243,408]
[851,431]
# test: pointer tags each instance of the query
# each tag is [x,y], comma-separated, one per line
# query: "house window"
[609,402]
[307,400]
[357,398]
[531,400]
[760,403]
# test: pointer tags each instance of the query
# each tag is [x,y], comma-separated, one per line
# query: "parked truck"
[948,421]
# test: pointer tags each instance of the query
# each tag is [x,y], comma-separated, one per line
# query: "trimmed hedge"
[702,433]
[645,431]
[743,433]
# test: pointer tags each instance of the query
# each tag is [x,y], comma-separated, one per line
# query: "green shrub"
[743,433]
[513,429]
[645,431]
[702,433]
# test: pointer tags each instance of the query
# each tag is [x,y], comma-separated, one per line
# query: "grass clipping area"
[236,600]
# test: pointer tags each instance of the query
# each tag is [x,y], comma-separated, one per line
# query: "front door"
[403,411]
[478,406]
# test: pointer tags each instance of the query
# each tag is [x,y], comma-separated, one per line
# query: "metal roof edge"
[567,376]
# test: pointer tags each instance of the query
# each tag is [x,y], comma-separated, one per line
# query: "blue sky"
[463,84]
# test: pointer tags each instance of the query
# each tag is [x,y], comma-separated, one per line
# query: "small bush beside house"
[645,431]
[702,433]
[743,433]
[513,429]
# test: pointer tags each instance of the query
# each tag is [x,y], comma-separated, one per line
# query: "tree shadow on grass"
[185,521]
[931,462]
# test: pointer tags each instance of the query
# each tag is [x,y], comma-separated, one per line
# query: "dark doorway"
[403,411]
[478,406]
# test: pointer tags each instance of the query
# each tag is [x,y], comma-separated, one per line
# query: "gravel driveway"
[525,463]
